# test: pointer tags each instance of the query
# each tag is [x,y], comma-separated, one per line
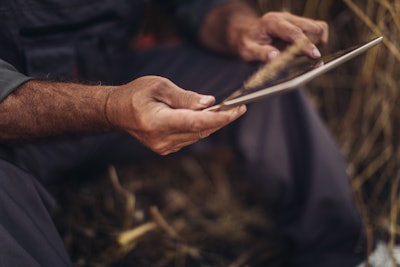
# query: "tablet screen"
[296,73]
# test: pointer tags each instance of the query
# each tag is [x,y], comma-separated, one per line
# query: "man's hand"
[262,39]
[235,28]
[159,114]
[163,116]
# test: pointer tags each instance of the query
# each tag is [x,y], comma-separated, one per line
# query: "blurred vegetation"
[360,101]
[186,211]
[162,216]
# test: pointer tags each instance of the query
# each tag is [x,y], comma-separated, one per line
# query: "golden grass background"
[360,101]
[195,211]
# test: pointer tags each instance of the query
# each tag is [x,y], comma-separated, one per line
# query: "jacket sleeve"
[10,79]
[189,14]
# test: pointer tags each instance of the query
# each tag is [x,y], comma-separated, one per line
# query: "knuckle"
[203,134]
[161,83]
[165,153]
[194,125]
[294,31]
[167,148]
[200,135]
[161,148]
[246,52]
[319,29]
[199,126]
[247,56]
[324,25]
[147,126]
[272,16]
[156,84]
[188,98]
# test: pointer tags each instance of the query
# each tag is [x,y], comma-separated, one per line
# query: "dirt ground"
[184,211]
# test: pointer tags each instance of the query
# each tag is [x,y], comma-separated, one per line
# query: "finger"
[293,34]
[188,121]
[175,142]
[172,142]
[325,33]
[289,32]
[254,51]
[183,140]
[316,31]
[186,132]
[179,98]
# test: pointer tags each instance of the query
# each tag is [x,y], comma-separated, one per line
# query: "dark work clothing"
[283,144]
[83,35]
[27,237]
[189,13]
[34,34]
[10,79]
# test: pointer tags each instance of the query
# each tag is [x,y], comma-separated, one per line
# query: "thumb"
[178,98]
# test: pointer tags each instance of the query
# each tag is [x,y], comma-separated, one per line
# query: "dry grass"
[189,211]
[360,103]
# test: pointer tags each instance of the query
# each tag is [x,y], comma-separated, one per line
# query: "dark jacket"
[58,39]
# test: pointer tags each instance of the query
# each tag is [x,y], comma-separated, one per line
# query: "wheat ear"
[270,70]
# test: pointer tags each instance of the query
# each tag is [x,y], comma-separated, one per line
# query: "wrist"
[117,107]
[105,108]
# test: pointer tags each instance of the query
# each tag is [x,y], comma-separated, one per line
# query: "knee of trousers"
[25,222]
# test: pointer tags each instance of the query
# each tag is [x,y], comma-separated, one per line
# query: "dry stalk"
[361,204]
[372,168]
[271,69]
[374,28]
[244,257]
[386,224]
[159,219]
[182,248]
[394,213]
[393,12]
[129,237]
[129,197]
[381,123]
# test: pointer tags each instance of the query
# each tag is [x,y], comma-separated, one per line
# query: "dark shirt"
[10,79]
[39,38]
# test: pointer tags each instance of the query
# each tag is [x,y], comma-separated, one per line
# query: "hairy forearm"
[41,109]
[222,25]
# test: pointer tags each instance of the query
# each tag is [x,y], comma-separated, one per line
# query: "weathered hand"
[163,116]
[261,39]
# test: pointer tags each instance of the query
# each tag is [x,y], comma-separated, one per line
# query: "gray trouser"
[281,142]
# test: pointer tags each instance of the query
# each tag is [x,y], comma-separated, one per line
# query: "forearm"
[41,109]
[222,25]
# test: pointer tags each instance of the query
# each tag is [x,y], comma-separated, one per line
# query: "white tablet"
[298,77]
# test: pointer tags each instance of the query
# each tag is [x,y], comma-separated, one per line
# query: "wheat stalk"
[270,70]
[367,21]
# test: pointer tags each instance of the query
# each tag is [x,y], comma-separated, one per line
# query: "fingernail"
[272,55]
[206,100]
[316,53]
